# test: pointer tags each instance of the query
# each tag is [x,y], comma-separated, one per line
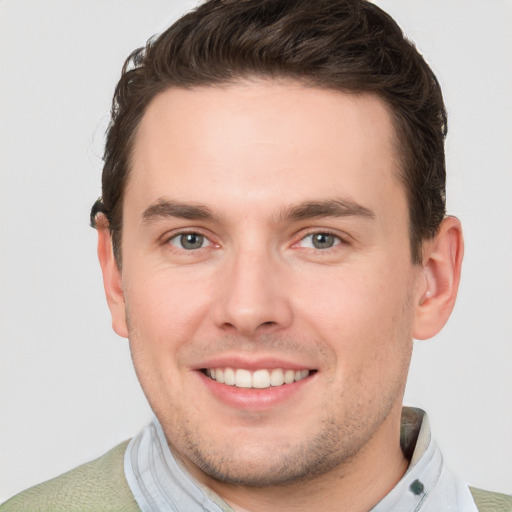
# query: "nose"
[251,295]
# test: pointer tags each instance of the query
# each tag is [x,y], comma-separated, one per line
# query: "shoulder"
[98,485]
[487,501]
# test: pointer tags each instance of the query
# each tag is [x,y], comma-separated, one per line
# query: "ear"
[112,281]
[442,260]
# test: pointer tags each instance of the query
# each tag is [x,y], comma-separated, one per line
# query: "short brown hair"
[346,45]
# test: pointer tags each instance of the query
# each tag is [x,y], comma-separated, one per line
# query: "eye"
[189,241]
[320,241]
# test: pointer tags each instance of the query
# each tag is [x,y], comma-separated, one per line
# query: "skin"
[241,166]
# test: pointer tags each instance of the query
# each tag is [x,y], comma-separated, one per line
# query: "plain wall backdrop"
[68,392]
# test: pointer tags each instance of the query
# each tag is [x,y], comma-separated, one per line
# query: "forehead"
[262,140]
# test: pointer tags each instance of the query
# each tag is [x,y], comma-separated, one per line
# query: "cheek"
[364,314]
[162,317]
[165,296]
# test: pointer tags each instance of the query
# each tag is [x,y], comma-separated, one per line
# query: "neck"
[356,485]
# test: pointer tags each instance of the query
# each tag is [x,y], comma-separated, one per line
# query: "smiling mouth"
[259,379]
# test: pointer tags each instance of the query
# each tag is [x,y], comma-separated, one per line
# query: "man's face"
[265,244]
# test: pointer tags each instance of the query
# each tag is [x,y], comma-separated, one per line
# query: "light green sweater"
[100,486]
[97,486]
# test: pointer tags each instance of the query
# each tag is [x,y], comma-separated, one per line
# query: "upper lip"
[252,363]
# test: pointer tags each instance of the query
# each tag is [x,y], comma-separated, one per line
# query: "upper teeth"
[260,379]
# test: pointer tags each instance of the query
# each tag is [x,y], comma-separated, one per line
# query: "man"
[272,235]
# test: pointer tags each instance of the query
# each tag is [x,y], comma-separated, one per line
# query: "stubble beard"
[283,467]
[333,446]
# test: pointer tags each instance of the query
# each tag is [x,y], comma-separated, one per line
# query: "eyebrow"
[164,208]
[329,208]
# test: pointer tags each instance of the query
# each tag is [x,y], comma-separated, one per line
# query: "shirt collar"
[427,485]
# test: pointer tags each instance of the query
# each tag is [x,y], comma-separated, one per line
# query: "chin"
[264,464]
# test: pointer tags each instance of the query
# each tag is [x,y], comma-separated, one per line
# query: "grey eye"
[320,241]
[189,241]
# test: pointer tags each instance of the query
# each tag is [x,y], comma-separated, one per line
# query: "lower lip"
[254,399]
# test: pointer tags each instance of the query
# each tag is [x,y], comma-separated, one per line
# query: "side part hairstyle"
[346,45]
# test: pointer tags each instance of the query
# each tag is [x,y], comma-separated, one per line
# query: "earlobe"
[112,281]
[442,260]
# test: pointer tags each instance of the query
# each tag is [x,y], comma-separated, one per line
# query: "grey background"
[67,389]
